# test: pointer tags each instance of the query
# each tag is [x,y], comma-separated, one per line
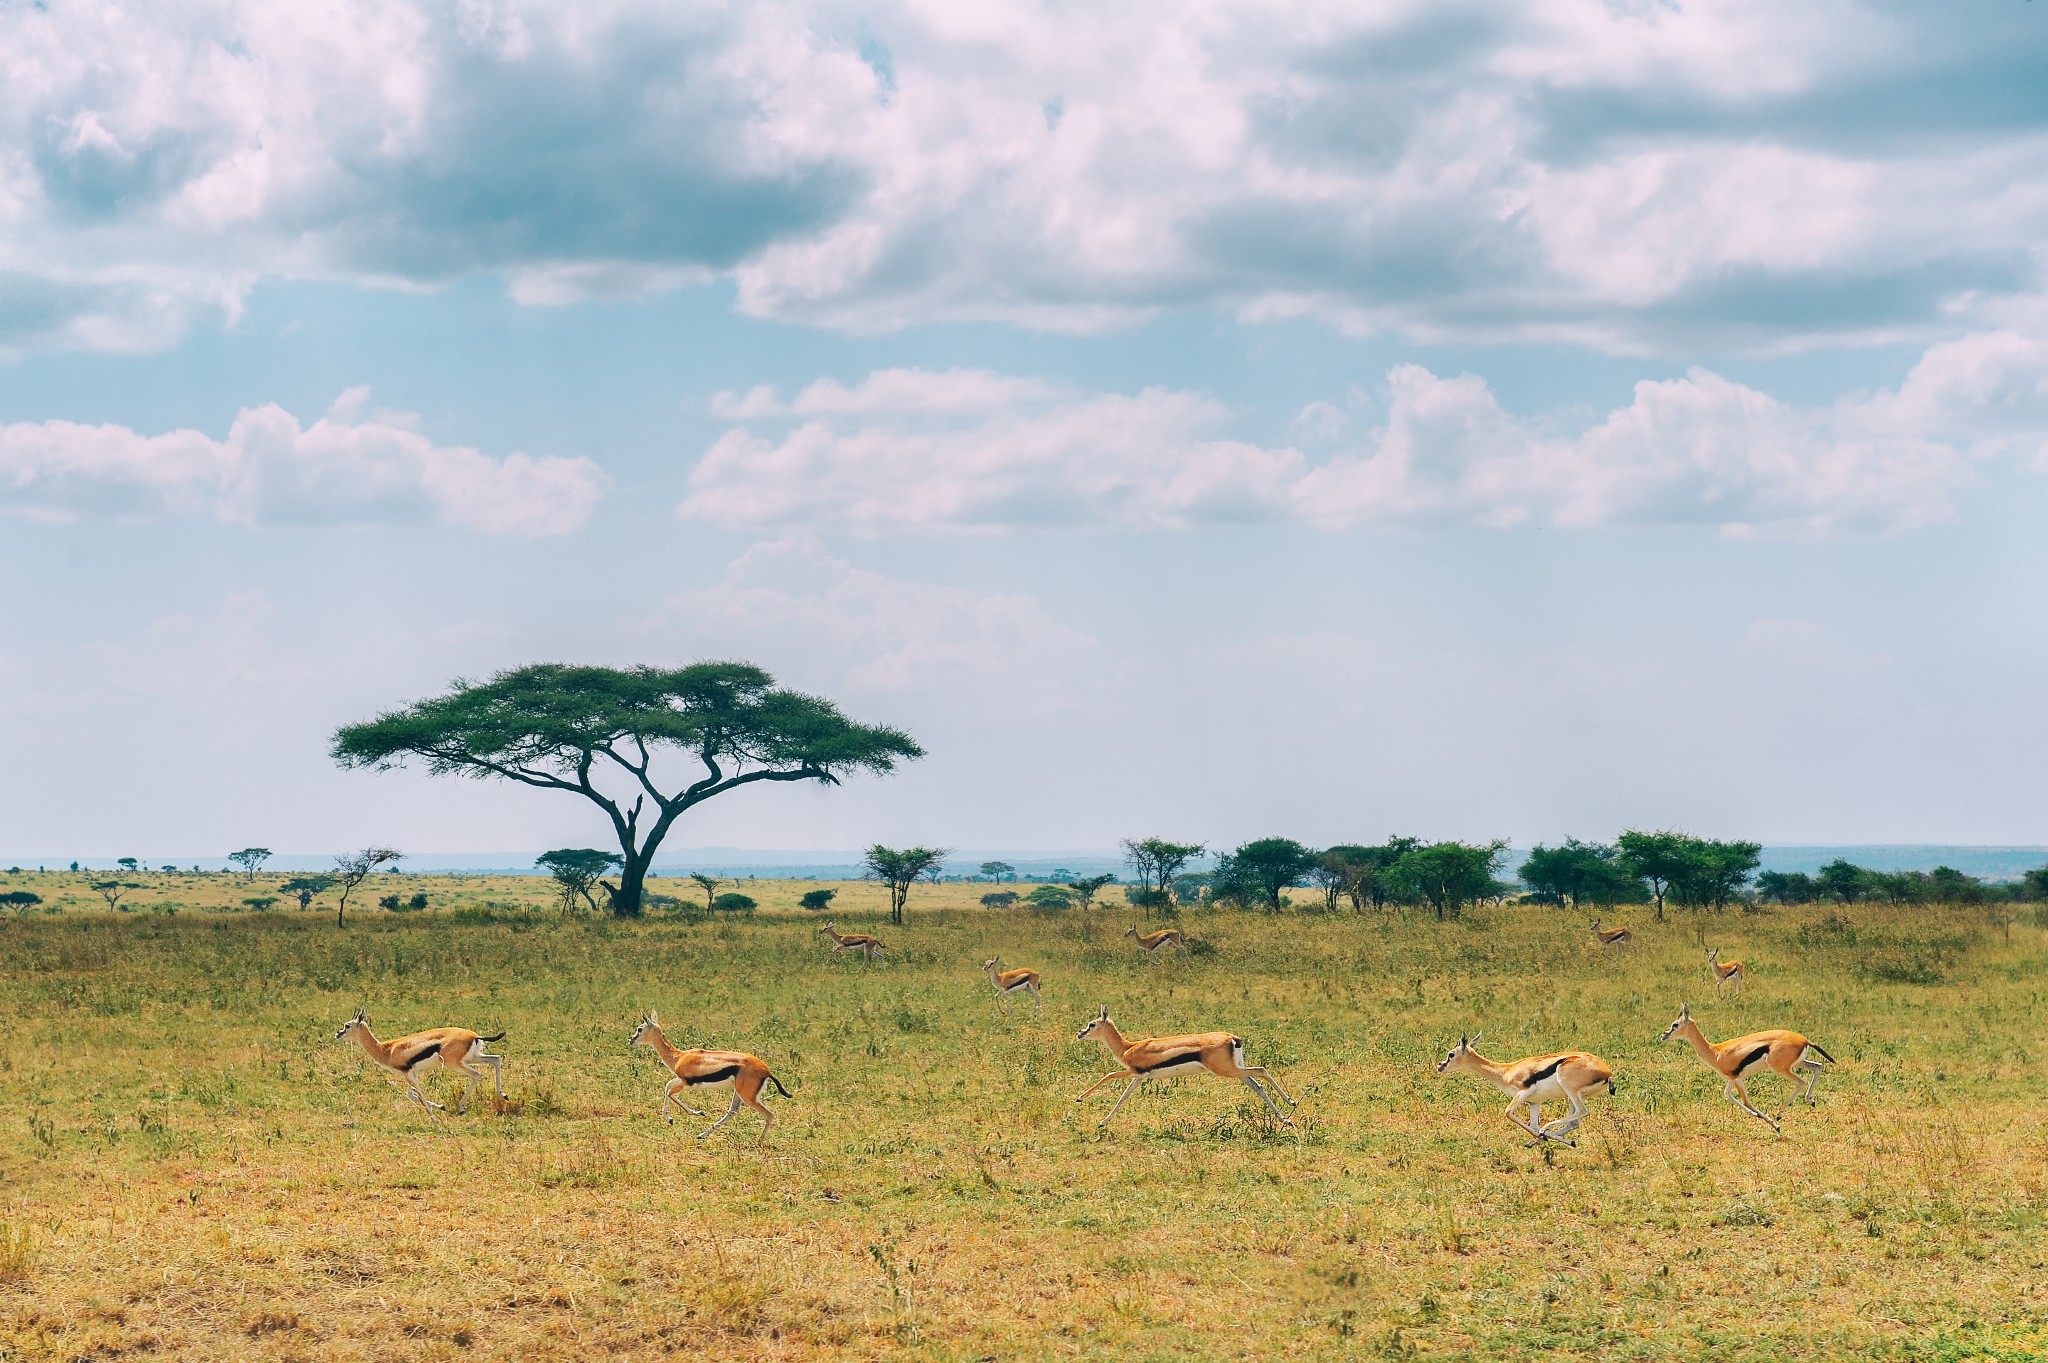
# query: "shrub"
[262,903]
[1049,898]
[418,901]
[1002,899]
[817,900]
[732,901]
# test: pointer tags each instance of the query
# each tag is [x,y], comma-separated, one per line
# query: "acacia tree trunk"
[632,883]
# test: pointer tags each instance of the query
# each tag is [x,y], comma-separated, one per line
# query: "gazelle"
[1724,971]
[1220,1053]
[1619,937]
[1540,1079]
[1008,982]
[744,1074]
[452,1048]
[852,941]
[1152,941]
[1789,1053]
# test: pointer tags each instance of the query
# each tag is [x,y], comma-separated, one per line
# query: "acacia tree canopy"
[599,732]
[900,868]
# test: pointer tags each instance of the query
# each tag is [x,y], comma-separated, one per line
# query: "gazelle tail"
[1821,1053]
[778,1087]
[499,1037]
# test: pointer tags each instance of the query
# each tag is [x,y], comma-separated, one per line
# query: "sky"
[1328,420]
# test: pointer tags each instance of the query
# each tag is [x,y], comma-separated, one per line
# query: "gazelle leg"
[1265,1076]
[1034,1000]
[1535,1116]
[1251,1084]
[1113,1074]
[1120,1102]
[497,1064]
[412,1087]
[1739,1096]
[731,1108]
[668,1093]
[1558,1130]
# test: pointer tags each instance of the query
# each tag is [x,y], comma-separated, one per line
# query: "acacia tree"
[1261,869]
[354,868]
[576,870]
[304,888]
[709,885]
[113,891]
[590,731]
[249,858]
[1660,858]
[900,869]
[1088,887]
[999,871]
[21,901]
[1157,862]
[1450,875]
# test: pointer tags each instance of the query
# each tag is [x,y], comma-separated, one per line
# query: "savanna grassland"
[193,1168]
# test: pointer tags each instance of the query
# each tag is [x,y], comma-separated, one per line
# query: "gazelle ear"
[654,1016]
[1102,1013]
[1463,1041]
[1474,1041]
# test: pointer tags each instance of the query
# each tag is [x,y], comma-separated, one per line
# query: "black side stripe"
[1750,1059]
[1181,1059]
[716,1076]
[1533,1080]
[426,1053]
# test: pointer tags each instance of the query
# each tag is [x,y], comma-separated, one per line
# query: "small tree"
[1157,861]
[356,867]
[999,871]
[1791,887]
[114,891]
[1047,898]
[21,901]
[262,903]
[306,888]
[129,864]
[1718,870]
[708,884]
[249,858]
[1001,899]
[1088,887]
[900,869]
[1660,858]
[817,901]
[576,870]
[1450,875]
[2034,885]
[1263,868]
[1844,880]
[732,901]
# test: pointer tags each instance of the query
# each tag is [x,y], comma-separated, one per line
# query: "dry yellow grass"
[194,1169]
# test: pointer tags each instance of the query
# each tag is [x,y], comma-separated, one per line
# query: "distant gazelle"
[1789,1053]
[1561,1075]
[1725,971]
[852,941]
[744,1074]
[452,1048]
[1219,1053]
[1008,982]
[1152,941]
[1617,937]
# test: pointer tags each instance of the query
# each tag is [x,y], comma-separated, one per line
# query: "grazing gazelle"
[852,941]
[1152,941]
[1724,971]
[1008,982]
[1540,1079]
[736,1070]
[1619,937]
[452,1048]
[1789,1053]
[1220,1053]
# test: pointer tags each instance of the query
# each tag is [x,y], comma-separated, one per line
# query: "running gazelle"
[1008,982]
[1725,971]
[1540,1079]
[867,946]
[1220,1053]
[452,1048]
[744,1074]
[1789,1053]
[1617,937]
[1152,941]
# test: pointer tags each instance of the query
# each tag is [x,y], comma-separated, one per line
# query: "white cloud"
[1701,449]
[343,469]
[1620,175]
[996,652]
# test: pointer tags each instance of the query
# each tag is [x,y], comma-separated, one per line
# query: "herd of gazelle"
[1531,1083]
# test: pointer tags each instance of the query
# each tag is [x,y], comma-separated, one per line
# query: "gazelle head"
[1596,925]
[361,1019]
[991,963]
[1679,1023]
[1713,955]
[825,930]
[1131,931]
[1457,1058]
[1095,1024]
[649,1022]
